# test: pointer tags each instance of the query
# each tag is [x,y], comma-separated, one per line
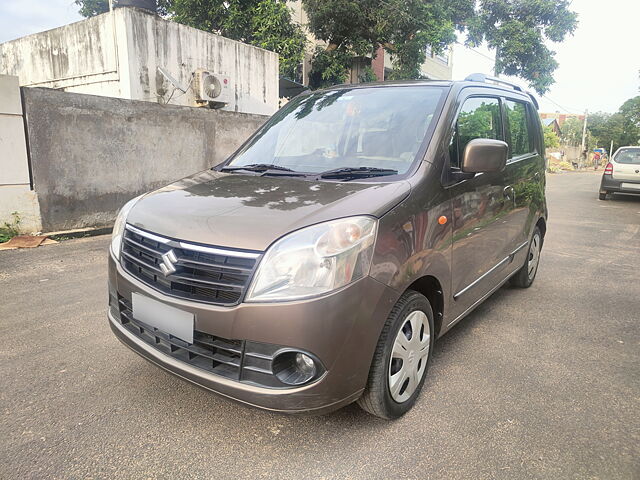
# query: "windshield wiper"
[357,172]
[256,167]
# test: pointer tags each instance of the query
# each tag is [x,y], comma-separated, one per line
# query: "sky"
[599,65]
[24,17]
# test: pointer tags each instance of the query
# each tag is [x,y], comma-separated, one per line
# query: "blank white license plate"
[631,186]
[165,318]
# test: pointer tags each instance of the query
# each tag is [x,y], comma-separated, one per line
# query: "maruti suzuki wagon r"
[318,264]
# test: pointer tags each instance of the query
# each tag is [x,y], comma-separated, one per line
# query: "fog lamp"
[295,368]
[305,363]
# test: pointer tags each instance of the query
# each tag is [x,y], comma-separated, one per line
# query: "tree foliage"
[551,139]
[91,8]
[622,127]
[518,30]
[572,131]
[263,23]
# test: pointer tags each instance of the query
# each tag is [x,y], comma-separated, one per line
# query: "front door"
[480,203]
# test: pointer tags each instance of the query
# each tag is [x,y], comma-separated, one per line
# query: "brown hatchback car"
[319,263]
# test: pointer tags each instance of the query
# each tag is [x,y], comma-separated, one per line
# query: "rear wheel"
[527,274]
[401,358]
[602,196]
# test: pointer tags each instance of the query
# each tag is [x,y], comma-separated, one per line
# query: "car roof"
[505,88]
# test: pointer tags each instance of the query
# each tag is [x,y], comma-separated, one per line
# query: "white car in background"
[622,173]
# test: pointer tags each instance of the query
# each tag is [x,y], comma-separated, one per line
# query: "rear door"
[626,164]
[524,174]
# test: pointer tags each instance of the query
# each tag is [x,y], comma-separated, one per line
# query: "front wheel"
[401,358]
[527,274]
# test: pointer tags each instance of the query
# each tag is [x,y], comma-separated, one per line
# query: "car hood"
[250,211]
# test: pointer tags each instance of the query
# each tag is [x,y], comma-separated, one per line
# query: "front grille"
[202,274]
[214,354]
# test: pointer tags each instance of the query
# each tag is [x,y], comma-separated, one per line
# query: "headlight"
[315,260]
[118,226]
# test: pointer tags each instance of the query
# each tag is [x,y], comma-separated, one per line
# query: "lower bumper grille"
[244,361]
[214,354]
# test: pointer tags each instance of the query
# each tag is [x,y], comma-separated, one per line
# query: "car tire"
[524,277]
[602,196]
[401,358]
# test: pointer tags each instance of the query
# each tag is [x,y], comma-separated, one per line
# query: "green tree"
[91,8]
[630,113]
[551,139]
[572,131]
[263,23]
[605,128]
[517,30]
[621,128]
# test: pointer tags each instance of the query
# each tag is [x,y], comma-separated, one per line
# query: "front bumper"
[609,185]
[340,329]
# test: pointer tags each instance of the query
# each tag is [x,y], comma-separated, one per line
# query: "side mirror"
[484,155]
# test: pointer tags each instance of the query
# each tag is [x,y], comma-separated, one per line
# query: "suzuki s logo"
[168,263]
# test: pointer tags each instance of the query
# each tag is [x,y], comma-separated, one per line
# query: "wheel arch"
[430,287]
[542,225]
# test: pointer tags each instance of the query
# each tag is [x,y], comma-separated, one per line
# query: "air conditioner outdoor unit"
[211,87]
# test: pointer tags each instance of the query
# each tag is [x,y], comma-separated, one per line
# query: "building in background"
[435,67]
[553,123]
[134,54]
[561,117]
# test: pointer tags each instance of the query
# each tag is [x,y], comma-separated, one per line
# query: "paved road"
[543,383]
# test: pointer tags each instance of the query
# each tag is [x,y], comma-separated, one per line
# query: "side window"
[479,118]
[518,128]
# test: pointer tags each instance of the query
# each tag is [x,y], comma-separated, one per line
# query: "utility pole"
[584,138]
[611,150]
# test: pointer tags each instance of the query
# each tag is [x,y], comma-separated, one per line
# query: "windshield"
[349,128]
[628,155]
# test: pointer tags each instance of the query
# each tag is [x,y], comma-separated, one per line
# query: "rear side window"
[479,118]
[518,128]
[628,155]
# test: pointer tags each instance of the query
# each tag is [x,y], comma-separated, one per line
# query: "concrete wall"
[91,154]
[153,42]
[116,54]
[80,56]
[16,194]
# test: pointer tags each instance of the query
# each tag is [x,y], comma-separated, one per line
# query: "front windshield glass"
[349,128]
[628,155]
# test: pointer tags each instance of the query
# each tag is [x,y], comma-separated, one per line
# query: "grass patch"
[10,229]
